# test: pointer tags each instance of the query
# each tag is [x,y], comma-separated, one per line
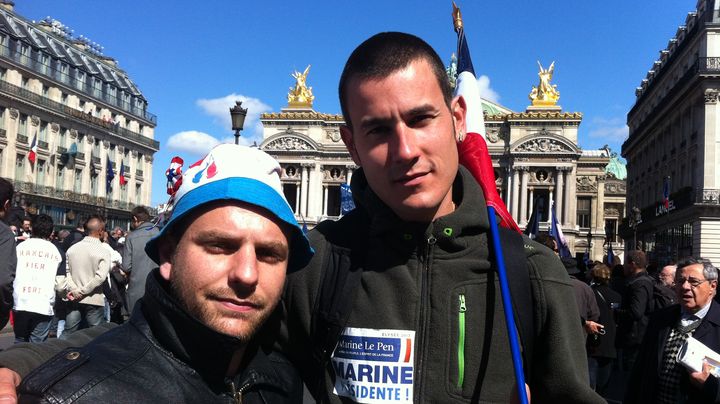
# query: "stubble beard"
[201,305]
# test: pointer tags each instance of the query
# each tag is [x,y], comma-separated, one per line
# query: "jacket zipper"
[461,340]
[237,393]
[424,293]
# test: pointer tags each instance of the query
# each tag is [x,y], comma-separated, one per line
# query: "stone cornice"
[304,115]
[543,115]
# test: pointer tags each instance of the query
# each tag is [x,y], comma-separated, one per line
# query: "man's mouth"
[411,179]
[238,305]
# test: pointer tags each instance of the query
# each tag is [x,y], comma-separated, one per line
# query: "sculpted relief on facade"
[586,184]
[289,143]
[543,145]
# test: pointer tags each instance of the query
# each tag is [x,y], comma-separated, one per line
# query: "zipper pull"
[462,304]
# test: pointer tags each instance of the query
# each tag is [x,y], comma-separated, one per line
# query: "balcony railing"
[3,133]
[80,156]
[707,196]
[82,85]
[43,145]
[64,109]
[95,160]
[22,139]
[139,173]
[709,65]
[61,149]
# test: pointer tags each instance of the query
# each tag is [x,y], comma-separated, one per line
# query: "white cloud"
[485,91]
[613,129]
[199,143]
[219,109]
[192,141]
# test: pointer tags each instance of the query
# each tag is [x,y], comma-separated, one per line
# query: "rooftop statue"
[545,94]
[300,95]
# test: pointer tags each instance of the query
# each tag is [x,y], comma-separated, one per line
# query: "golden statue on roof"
[545,94]
[300,95]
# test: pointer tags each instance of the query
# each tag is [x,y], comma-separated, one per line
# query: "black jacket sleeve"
[8,262]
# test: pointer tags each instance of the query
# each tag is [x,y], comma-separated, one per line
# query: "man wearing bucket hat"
[195,336]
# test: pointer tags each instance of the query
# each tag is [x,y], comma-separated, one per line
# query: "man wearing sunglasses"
[658,377]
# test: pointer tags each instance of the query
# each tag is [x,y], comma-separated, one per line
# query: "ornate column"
[315,192]
[571,206]
[531,202]
[304,184]
[325,199]
[523,195]
[568,201]
[515,192]
[550,200]
[600,208]
[560,174]
[508,187]
[297,198]
[350,169]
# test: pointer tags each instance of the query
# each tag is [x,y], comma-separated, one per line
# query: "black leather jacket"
[161,355]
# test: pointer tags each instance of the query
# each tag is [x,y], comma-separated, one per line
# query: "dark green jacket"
[414,279]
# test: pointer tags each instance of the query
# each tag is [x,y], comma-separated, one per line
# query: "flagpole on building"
[479,163]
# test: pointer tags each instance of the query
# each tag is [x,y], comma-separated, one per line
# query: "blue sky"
[192,59]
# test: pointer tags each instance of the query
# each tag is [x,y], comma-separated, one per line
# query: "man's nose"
[244,269]
[406,145]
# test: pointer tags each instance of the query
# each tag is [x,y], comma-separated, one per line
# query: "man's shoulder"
[90,367]
[145,231]
[545,263]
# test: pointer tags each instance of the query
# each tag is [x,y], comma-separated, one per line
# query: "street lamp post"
[237,116]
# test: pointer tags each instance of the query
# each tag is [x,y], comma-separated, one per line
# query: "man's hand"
[594,328]
[514,399]
[9,380]
[72,296]
[697,379]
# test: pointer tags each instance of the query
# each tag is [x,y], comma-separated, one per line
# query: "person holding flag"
[419,240]
[400,301]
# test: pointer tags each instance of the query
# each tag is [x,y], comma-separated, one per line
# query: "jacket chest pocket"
[478,355]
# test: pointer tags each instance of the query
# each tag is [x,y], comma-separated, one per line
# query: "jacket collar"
[469,217]
[160,317]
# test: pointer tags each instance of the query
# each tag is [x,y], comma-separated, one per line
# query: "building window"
[333,200]
[19,167]
[40,169]
[77,186]
[97,87]
[43,131]
[93,184]
[290,191]
[124,192]
[138,194]
[583,212]
[611,230]
[60,181]
[22,125]
[79,79]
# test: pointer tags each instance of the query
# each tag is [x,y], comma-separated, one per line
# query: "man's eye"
[270,255]
[421,119]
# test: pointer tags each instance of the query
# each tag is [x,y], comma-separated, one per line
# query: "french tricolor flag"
[473,149]
[123,181]
[33,150]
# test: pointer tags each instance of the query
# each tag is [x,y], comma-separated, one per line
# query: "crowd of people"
[399,300]
[66,280]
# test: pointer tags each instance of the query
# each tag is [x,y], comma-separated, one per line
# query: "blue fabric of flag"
[109,175]
[346,201]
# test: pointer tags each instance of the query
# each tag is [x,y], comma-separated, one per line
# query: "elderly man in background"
[658,377]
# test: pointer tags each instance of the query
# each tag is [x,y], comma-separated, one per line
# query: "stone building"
[535,154]
[672,154]
[82,112]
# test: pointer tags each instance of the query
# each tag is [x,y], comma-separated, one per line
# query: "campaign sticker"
[375,366]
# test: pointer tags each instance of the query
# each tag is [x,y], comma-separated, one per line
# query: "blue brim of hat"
[245,190]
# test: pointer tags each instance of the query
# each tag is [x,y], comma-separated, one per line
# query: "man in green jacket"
[425,324]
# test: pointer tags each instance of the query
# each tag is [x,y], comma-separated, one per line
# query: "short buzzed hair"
[384,54]
[42,226]
[637,257]
[141,213]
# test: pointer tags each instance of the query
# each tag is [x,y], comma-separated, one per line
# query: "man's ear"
[166,248]
[347,137]
[458,110]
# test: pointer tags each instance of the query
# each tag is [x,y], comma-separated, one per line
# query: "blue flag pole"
[508,308]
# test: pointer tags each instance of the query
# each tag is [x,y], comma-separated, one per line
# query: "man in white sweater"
[88,265]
